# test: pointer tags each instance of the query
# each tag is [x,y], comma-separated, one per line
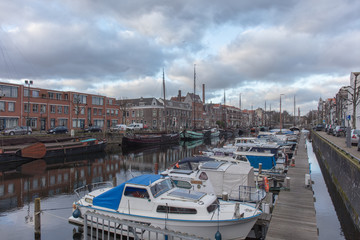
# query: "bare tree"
[78,107]
[354,100]
[123,107]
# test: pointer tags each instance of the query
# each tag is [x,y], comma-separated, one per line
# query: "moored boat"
[154,200]
[191,135]
[138,140]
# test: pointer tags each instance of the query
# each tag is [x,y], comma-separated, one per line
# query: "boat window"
[161,187]
[136,192]
[182,184]
[213,206]
[241,158]
[175,210]
[203,176]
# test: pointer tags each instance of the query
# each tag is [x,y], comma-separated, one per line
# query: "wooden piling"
[114,181]
[156,168]
[37,219]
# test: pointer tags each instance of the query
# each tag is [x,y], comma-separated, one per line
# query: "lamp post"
[280,113]
[28,82]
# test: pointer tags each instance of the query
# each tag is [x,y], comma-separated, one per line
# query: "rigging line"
[7,67]
[7,58]
[19,51]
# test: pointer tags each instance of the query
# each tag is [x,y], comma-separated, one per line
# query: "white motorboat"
[226,179]
[154,200]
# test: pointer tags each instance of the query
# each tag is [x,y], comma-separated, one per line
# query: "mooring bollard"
[37,223]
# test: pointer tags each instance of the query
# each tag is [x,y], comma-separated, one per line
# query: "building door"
[42,124]
[89,117]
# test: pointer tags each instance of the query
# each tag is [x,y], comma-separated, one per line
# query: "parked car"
[92,129]
[354,136]
[339,131]
[135,126]
[58,130]
[319,127]
[19,130]
[118,127]
[330,129]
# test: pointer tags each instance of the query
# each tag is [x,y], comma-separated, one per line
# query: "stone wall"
[344,172]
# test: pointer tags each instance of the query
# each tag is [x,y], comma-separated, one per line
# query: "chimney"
[203,93]
[179,96]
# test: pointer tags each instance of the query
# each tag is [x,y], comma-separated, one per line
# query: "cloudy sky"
[258,49]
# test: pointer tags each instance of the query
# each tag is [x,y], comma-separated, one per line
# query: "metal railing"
[82,191]
[98,226]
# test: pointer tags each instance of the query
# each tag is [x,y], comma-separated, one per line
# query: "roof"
[111,198]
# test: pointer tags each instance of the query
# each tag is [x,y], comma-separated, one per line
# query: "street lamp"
[280,112]
[28,82]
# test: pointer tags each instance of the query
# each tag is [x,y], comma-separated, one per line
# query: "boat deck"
[294,214]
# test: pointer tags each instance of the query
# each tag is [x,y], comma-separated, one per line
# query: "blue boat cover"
[111,198]
[268,162]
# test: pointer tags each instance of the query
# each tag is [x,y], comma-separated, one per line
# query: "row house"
[43,109]
[342,105]
[173,115]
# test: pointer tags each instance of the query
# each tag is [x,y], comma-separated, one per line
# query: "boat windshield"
[161,187]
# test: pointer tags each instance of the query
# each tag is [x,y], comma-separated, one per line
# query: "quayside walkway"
[294,214]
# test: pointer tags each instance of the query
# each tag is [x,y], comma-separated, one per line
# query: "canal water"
[332,219]
[54,181]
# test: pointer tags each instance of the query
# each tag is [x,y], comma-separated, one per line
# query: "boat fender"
[266,183]
[76,213]
[218,235]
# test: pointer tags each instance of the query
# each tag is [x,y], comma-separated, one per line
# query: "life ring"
[266,184]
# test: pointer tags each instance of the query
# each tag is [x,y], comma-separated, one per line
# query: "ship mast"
[165,115]
[194,126]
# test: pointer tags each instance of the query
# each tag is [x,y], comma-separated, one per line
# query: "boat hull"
[139,140]
[191,135]
[229,229]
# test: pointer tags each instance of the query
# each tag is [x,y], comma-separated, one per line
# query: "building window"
[9,91]
[2,106]
[35,108]
[78,98]
[63,122]
[35,93]
[26,107]
[66,109]
[154,113]
[58,96]
[110,101]
[112,112]
[97,100]
[11,106]
[133,114]
[26,92]
[99,112]
[108,112]
[154,123]
[52,109]
[43,108]
[116,112]
[51,95]
[66,96]
[59,109]
[95,111]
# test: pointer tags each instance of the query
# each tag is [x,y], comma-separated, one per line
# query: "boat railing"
[249,194]
[100,226]
[82,191]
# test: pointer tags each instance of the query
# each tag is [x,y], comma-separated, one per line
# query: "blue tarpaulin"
[268,162]
[111,199]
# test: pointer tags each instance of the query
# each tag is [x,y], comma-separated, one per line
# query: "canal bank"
[294,214]
[341,166]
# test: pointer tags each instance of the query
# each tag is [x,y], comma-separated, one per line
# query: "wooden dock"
[294,215]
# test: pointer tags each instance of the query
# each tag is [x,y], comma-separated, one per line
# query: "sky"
[250,51]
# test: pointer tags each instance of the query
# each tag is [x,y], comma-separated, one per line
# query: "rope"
[51,209]
[62,218]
